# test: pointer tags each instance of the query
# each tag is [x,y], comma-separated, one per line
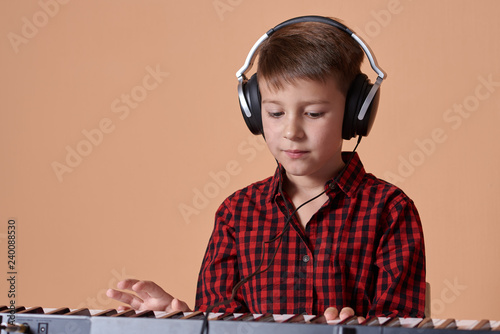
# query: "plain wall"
[111,171]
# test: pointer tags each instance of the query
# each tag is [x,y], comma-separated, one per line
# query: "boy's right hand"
[148,296]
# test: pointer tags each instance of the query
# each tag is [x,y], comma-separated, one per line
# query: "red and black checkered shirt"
[364,248]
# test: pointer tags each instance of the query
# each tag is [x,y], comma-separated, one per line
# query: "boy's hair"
[309,50]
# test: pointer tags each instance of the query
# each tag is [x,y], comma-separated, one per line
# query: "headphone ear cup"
[356,95]
[253,99]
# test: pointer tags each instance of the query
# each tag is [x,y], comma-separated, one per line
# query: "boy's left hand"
[331,313]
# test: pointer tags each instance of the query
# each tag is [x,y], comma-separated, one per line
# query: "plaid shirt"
[364,248]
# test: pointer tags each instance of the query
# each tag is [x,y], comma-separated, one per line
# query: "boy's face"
[303,127]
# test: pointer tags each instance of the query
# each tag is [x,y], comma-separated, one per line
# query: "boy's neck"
[308,186]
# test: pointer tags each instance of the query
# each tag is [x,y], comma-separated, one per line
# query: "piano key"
[106,313]
[32,310]
[392,322]
[448,324]
[410,322]
[61,310]
[144,314]
[16,310]
[123,314]
[172,315]
[244,317]
[318,319]
[194,315]
[352,320]
[268,317]
[223,316]
[427,323]
[80,311]
[298,318]
[282,317]
[482,325]
[308,317]
[159,314]
[371,321]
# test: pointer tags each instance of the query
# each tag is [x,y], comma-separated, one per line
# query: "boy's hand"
[148,296]
[331,313]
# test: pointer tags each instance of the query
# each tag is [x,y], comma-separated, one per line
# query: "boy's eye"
[275,114]
[314,114]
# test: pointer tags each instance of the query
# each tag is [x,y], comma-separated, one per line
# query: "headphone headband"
[362,96]
[311,18]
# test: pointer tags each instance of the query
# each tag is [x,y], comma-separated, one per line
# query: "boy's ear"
[356,96]
[252,96]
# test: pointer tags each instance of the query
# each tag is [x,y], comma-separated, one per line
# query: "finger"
[124,297]
[346,312]
[114,294]
[151,289]
[331,313]
[126,284]
[178,305]
[361,319]
[122,308]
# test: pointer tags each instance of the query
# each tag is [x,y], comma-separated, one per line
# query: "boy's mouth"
[295,154]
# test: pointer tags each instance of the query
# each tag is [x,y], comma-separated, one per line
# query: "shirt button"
[306,258]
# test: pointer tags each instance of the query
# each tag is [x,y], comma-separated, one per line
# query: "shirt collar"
[275,181]
[348,182]
[353,174]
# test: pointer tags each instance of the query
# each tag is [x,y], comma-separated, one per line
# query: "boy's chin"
[297,171]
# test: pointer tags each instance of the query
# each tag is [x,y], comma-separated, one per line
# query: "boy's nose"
[293,130]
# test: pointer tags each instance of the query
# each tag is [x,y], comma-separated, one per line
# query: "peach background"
[118,212]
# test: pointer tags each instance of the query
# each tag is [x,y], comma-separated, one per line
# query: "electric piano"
[38,320]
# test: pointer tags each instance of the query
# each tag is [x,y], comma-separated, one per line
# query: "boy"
[357,243]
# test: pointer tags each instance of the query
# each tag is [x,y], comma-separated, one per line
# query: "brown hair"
[309,50]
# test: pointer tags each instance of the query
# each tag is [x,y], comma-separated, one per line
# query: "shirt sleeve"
[219,270]
[400,258]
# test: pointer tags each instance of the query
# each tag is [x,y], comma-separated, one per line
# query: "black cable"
[257,271]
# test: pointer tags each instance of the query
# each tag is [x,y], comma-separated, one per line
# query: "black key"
[448,324]
[124,314]
[195,315]
[352,320]
[426,324]
[80,311]
[106,313]
[61,310]
[173,315]
[33,310]
[244,317]
[144,314]
[483,325]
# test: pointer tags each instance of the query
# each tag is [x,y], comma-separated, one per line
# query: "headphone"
[361,100]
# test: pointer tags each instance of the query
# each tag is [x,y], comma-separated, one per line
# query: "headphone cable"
[204,328]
